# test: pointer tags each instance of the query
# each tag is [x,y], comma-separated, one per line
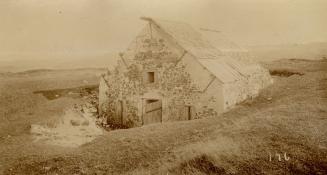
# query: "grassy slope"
[20,107]
[238,142]
[18,103]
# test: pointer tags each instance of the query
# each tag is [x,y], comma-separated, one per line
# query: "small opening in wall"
[150,77]
[189,112]
[151,101]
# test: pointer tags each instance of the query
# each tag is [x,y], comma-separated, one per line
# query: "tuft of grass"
[284,72]
[200,165]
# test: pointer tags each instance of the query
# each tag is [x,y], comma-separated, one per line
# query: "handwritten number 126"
[280,157]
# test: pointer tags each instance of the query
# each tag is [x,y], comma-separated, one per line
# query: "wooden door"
[187,113]
[152,111]
[119,112]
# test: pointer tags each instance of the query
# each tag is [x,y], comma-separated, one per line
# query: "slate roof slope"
[220,69]
[190,39]
[227,47]
[224,67]
[217,39]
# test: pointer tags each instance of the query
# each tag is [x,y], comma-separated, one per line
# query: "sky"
[88,27]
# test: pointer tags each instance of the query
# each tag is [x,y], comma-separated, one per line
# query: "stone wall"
[248,87]
[103,99]
[151,52]
[211,102]
[180,81]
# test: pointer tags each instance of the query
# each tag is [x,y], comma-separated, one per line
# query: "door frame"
[144,102]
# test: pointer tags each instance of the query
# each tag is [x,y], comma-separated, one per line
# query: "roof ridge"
[200,47]
[165,20]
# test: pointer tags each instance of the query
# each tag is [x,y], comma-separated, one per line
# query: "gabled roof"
[187,37]
[220,41]
[220,69]
[221,65]
[226,46]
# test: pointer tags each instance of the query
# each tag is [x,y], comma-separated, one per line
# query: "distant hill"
[16,63]
[316,50]
[96,72]
[44,71]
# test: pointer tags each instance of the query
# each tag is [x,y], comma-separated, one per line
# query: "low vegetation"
[282,131]
[284,73]
[76,92]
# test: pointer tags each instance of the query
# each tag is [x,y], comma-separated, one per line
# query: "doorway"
[120,112]
[152,111]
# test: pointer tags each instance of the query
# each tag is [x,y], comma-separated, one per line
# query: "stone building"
[171,72]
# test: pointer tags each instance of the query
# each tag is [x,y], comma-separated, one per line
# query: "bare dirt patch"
[72,129]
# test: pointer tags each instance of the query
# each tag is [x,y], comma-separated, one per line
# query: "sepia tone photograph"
[153,87]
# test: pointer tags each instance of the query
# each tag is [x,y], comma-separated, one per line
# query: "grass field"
[282,131]
[20,107]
